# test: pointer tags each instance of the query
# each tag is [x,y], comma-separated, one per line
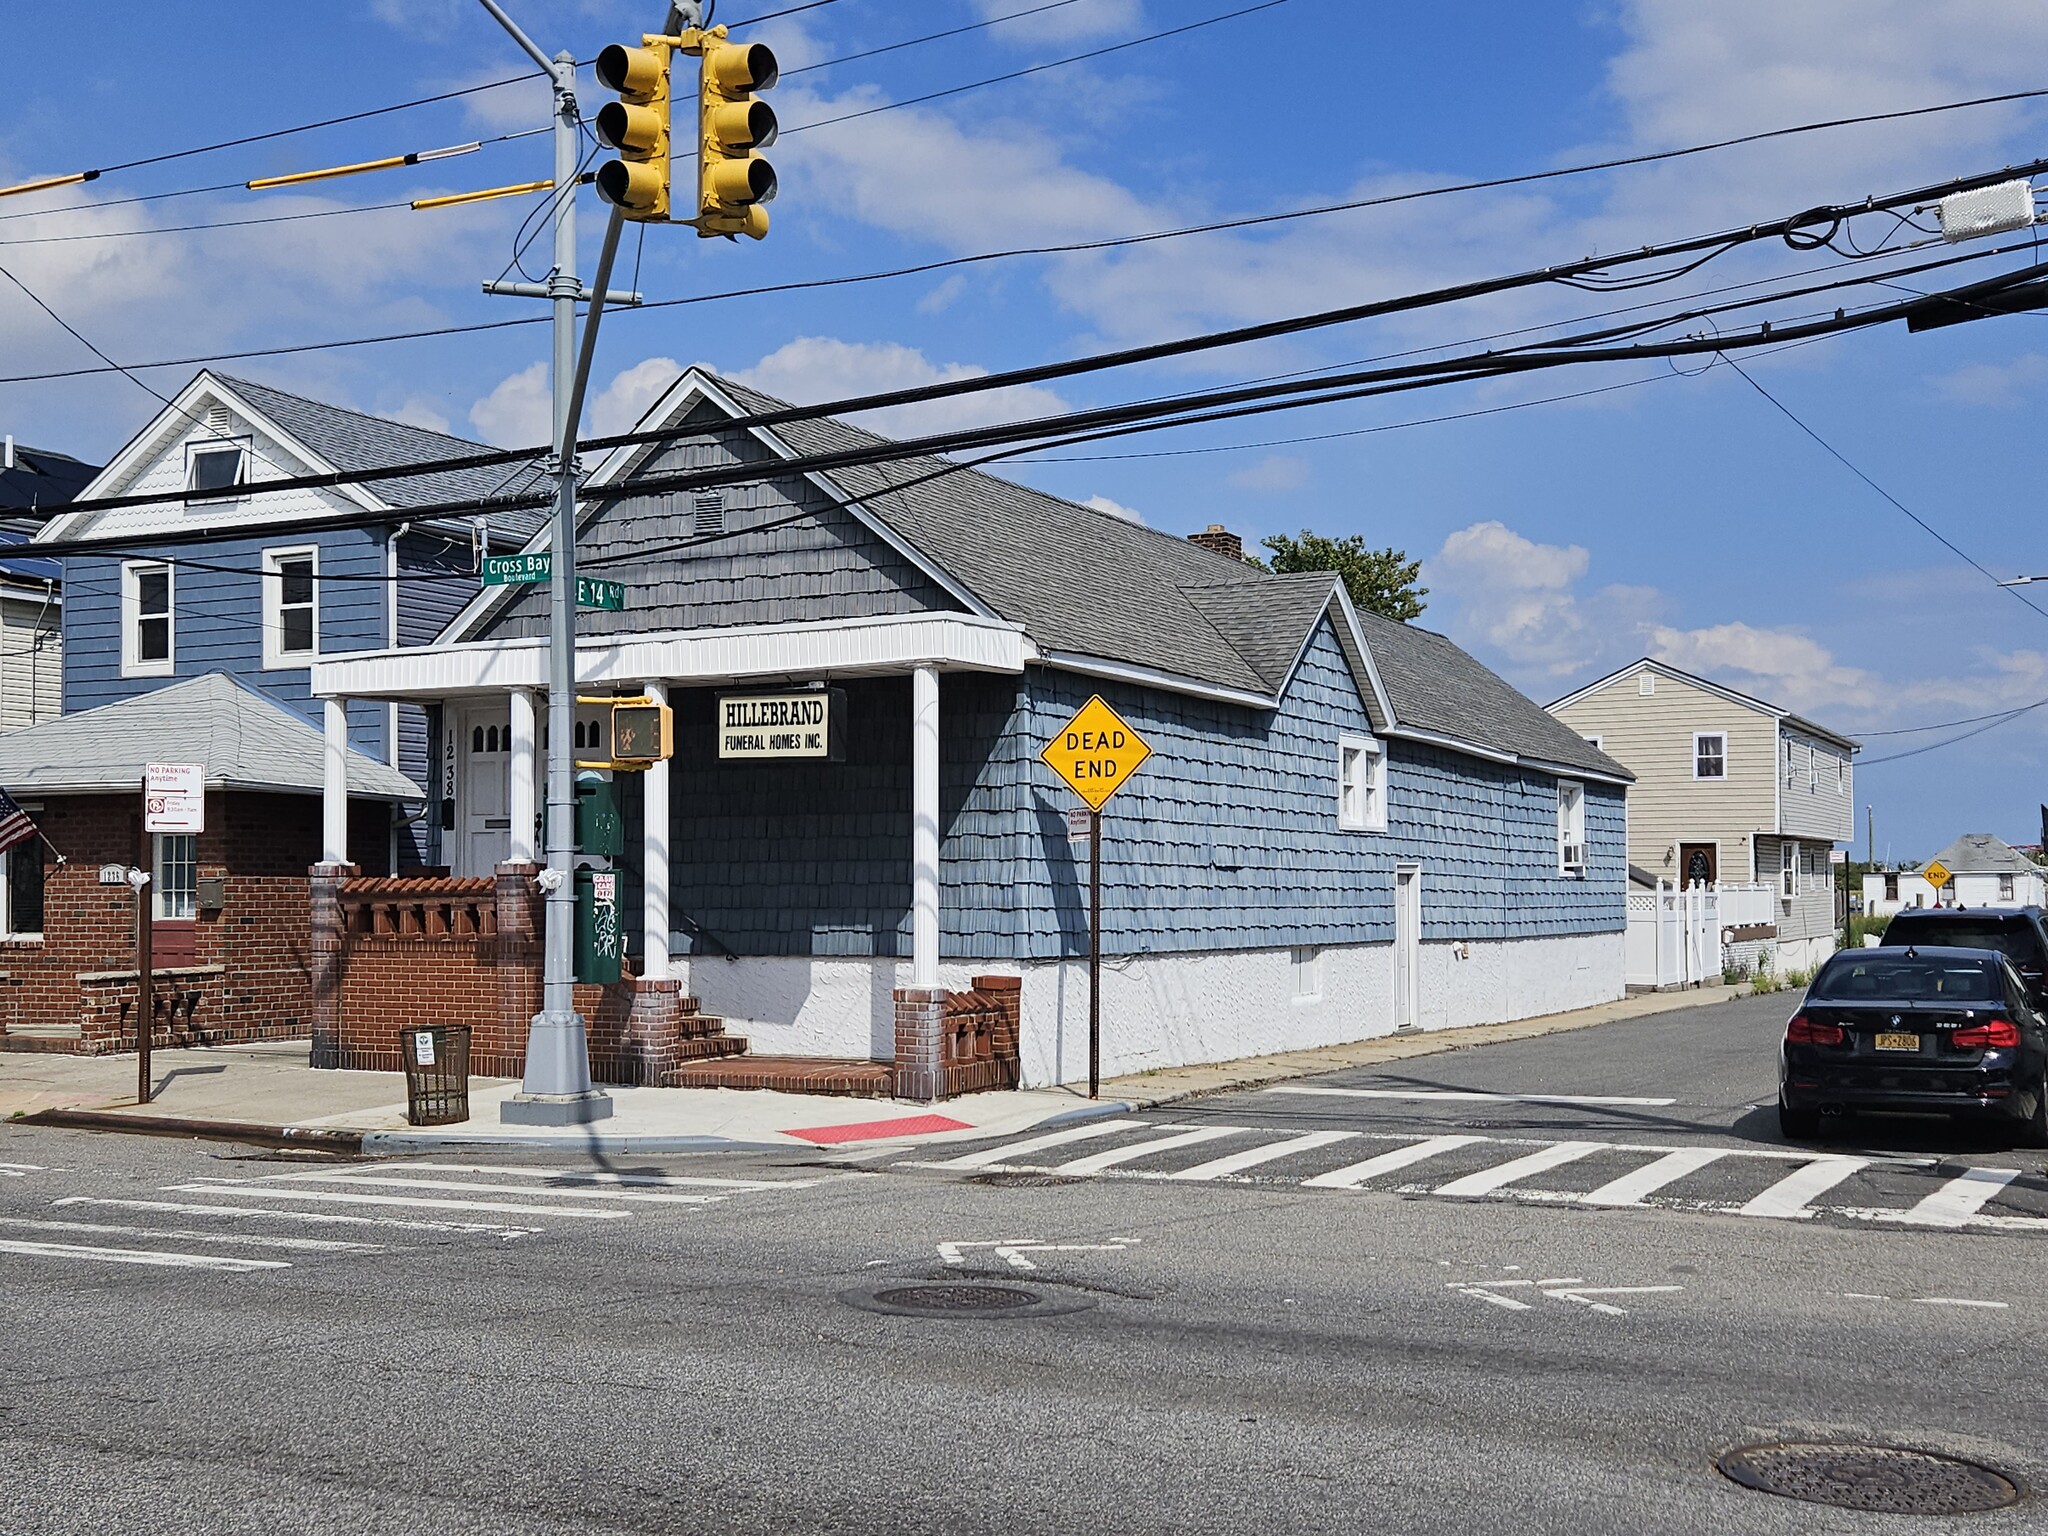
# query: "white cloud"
[519,412]
[1785,666]
[621,404]
[1115,509]
[420,411]
[1061,23]
[1994,386]
[430,19]
[943,297]
[1275,472]
[812,369]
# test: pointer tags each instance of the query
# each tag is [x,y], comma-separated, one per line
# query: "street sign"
[1937,873]
[510,570]
[174,797]
[608,595]
[1080,825]
[506,570]
[1095,752]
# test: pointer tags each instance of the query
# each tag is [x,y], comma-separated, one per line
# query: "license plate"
[1899,1042]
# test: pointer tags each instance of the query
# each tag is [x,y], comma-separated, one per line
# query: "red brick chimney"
[1220,540]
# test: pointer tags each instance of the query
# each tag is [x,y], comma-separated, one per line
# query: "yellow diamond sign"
[1937,873]
[1095,752]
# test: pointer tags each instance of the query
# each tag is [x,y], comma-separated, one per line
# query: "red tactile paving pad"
[875,1130]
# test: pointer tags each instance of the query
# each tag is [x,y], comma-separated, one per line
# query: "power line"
[929,37]
[1035,69]
[755,21]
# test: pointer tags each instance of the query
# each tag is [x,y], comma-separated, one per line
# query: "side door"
[486,795]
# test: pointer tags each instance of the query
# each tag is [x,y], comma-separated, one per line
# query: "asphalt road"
[195,1339]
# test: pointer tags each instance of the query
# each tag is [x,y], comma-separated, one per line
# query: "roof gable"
[1979,853]
[1707,685]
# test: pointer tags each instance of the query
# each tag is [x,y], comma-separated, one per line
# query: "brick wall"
[246,978]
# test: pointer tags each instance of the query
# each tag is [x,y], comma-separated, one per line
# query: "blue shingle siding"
[435,582]
[1226,839]
[218,622]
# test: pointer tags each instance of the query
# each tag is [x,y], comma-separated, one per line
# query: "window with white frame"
[291,608]
[1571,827]
[1788,870]
[1812,768]
[1710,755]
[2005,887]
[1789,775]
[1308,973]
[146,626]
[1595,743]
[1361,784]
[175,880]
[217,467]
[1842,775]
[21,888]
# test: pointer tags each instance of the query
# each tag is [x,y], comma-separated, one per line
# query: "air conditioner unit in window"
[1574,856]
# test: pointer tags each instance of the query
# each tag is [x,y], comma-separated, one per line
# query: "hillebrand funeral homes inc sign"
[764,726]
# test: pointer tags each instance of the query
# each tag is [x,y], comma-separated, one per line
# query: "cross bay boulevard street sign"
[1095,752]
[510,570]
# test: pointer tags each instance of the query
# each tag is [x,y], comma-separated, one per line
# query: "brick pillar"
[654,1027]
[1007,993]
[325,957]
[920,1019]
[518,959]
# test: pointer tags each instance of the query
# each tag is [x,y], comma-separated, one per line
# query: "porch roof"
[836,648]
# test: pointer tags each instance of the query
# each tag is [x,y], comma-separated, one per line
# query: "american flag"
[15,827]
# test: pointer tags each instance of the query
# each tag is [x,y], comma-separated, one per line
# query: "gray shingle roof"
[246,739]
[353,440]
[1979,853]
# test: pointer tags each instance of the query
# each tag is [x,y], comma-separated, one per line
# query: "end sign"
[1095,752]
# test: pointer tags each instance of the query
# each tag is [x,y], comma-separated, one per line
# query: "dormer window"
[216,468]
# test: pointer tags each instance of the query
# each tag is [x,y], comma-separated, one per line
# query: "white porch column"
[924,827]
[520,793]
[654,836]
[334,786]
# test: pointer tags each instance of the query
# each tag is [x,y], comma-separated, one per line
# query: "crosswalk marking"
[325,1218]
[1540,1161]
[407,1181]
[1388,1162]
[602,1176]
[20,1170]
[172,1234]
[152,1257]
[1789,1199]
[1959,1199]
[418,1202]
[1015,1150]
[1468,1096]
[1238,1162]
[1634,1188]
[1096,1162]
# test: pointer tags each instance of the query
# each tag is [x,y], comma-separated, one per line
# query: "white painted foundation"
[1163,1010]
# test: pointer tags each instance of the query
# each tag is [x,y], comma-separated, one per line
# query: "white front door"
[1407,944]
[486,799]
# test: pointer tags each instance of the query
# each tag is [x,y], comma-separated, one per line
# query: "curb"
[314,1138]
[1097,1111]
[392,1143]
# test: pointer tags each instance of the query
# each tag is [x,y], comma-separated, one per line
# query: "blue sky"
[1682,516]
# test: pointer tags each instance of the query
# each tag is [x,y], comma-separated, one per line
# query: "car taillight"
[1986,1036]
[1804,1031]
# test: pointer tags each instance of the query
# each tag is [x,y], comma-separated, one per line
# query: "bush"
[1862,923]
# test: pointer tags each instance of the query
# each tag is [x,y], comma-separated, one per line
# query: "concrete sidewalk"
[239,1091]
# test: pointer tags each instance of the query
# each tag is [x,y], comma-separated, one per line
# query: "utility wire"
[755,21]
[929,37]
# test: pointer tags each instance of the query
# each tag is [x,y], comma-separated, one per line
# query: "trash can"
[436,1074]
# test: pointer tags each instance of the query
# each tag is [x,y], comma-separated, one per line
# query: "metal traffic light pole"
[557,1089]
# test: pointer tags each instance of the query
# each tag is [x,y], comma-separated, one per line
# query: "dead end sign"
[1095,752]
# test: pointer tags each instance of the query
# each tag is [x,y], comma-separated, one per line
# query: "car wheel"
[1798,1124]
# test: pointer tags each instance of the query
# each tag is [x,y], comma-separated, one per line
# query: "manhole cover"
[957,1298]
[1885,1479]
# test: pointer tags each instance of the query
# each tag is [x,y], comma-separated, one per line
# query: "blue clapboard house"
[1347,825]
[264,595]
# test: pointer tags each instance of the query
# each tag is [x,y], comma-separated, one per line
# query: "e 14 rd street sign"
[509,570]
[1095,753]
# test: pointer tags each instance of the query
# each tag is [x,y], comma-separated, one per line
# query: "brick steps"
[786,1074]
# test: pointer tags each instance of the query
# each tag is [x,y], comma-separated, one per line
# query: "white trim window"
[175,880]
[1308,973]
[291,607]
[1788,871]
[1710,754]
[22,868]
[1595,743]
[219,467]
[1361,784]
[147,629]
[1571,827]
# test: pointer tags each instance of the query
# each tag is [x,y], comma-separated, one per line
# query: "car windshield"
[2007,938]
[1906,978]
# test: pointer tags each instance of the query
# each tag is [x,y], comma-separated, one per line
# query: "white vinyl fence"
[1674,932]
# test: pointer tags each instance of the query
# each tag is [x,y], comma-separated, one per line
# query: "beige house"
[1729,790]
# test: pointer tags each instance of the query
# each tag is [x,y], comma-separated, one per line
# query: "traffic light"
[732,180]
[643,732]
[637,126]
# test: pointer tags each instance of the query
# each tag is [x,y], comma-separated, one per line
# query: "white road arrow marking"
[1013,1250]
[1583,1294]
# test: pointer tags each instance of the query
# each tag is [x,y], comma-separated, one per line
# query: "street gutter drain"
[1883,1479]
[954,1299]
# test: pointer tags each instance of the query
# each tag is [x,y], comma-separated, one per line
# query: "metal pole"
[145,960]
[1095,954]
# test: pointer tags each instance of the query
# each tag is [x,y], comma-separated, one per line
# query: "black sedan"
[1916,1029]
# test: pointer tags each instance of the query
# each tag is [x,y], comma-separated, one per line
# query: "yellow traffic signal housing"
[732,180]
[643,732]
[637,126]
